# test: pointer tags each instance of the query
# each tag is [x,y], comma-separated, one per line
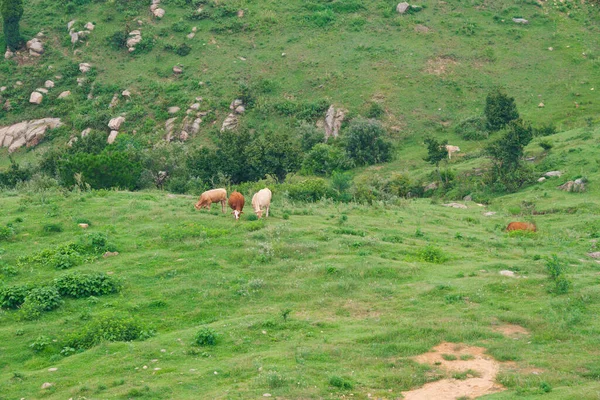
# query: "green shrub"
[53,228]
[44,298]
[78,285]
[309,135]
[399,185]
[118,40]
[313,189]
[556,269]
[14,175]
[341,383]
[500,109]
[205,337]
[323,159]
[545,130]
[40,344]
[111,328]
[432,254]
[12,297]
[546,145]
[6,232]
[12,10]
[473,128]
[365,144]
[375,110]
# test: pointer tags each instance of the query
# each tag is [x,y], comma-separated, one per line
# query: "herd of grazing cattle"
[262,201]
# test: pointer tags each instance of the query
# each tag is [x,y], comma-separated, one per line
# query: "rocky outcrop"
[35,47]
[85,67]
[26,133]
[230,123]
[333,121]
[36,98]
[190,125]
[64,94]
[578,185]
[134,38]
[520,21]
[401,8]
[112,137]
[116,123]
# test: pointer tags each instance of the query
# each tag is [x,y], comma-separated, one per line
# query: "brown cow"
[521,226]
[212,196]
[236,202]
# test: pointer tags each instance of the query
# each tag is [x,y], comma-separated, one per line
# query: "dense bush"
[499,110]
[78,285]
[111,328]
[12,10]
[13,296]
[545,130]
[309,135]
[556,269]
[365,143]
[6,232]
[432,254]
[118,40]
[474,128]
[306,111]
[323,159]
[14,175]
[206,337]
[43,298]
[309,190]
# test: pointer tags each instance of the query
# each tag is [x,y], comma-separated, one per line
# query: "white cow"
[451,149]
[260,200]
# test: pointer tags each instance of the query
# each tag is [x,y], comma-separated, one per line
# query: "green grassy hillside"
[321,300]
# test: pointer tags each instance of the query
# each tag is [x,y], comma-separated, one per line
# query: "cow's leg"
[223,206]
[268,211]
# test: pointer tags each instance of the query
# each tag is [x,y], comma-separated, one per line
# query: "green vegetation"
[12,11]
[359,268]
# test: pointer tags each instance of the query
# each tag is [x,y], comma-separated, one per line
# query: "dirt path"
[479,371]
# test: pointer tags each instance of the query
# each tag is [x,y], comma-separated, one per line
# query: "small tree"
[276,154]
[12,10]
[365,143]
[436,153]
[507,152]
[500,109]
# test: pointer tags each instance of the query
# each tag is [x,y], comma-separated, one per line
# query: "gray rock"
[64,94]
[520,21]
[542,179]
[595,254]
[35,45]
[36,98]
[74,37]
[550,174]
[191,35]
[8,54]
[431,186]
[240,109]
[89,26]
[85,67]
[177,70]
[489,213]
[173,110]
[454,205]
[333,121]
[49,84]
[230,123]
[159,13]
[70,25]
[114,101]
[573,186]
[508,273]
[116,123]
[126,93]
[235,104]
[86,132]
[402,7]
[112,137]
[47,385]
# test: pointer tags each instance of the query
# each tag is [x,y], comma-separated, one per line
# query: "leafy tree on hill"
[500,109]
[12,10]
[365,143]
[507,153]
[436,153]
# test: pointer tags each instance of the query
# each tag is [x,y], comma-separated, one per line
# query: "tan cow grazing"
[212,196]
[451,149]
[236,202]
[260,200]
[521,226]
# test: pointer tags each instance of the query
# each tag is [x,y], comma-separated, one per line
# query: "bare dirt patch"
[511,330]
[440,65]
[479,372]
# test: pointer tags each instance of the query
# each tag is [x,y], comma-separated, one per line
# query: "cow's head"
[237,214]
[197,206]
[258,213]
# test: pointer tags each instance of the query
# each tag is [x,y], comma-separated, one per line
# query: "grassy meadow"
[321,300]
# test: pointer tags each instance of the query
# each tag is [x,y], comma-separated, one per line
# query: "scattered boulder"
[235,104]
[421,29]
[541,105]
[468,198]
[86,132]
[116,123]
[74,37]
[126,93]
[47,385]
[42,90]
[520,21]
[333,121]
[36,98]
[401,8]
[240,109]
[112,137]
[578,185]
[159,13]
[542,179]
[89,26]
[230,123]
[134,38]
[195,106]
[508,273]
[454,205]
[64,94]
[173,110]
[489,213]
[81,81]
[53,369]
[177,70]
[35,47]
[169,128]
[85,67]
[114,101]
[49,84]
[191,35]
[431,186]
[83,226]
[70,25]
[550,174]
[8,54]
[110,254]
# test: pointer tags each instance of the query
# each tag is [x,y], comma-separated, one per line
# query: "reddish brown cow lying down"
[212,196]
[236,202]
[521,226]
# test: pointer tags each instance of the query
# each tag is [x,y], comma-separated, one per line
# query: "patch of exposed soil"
[511,330]
[439,65]
[458,358]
